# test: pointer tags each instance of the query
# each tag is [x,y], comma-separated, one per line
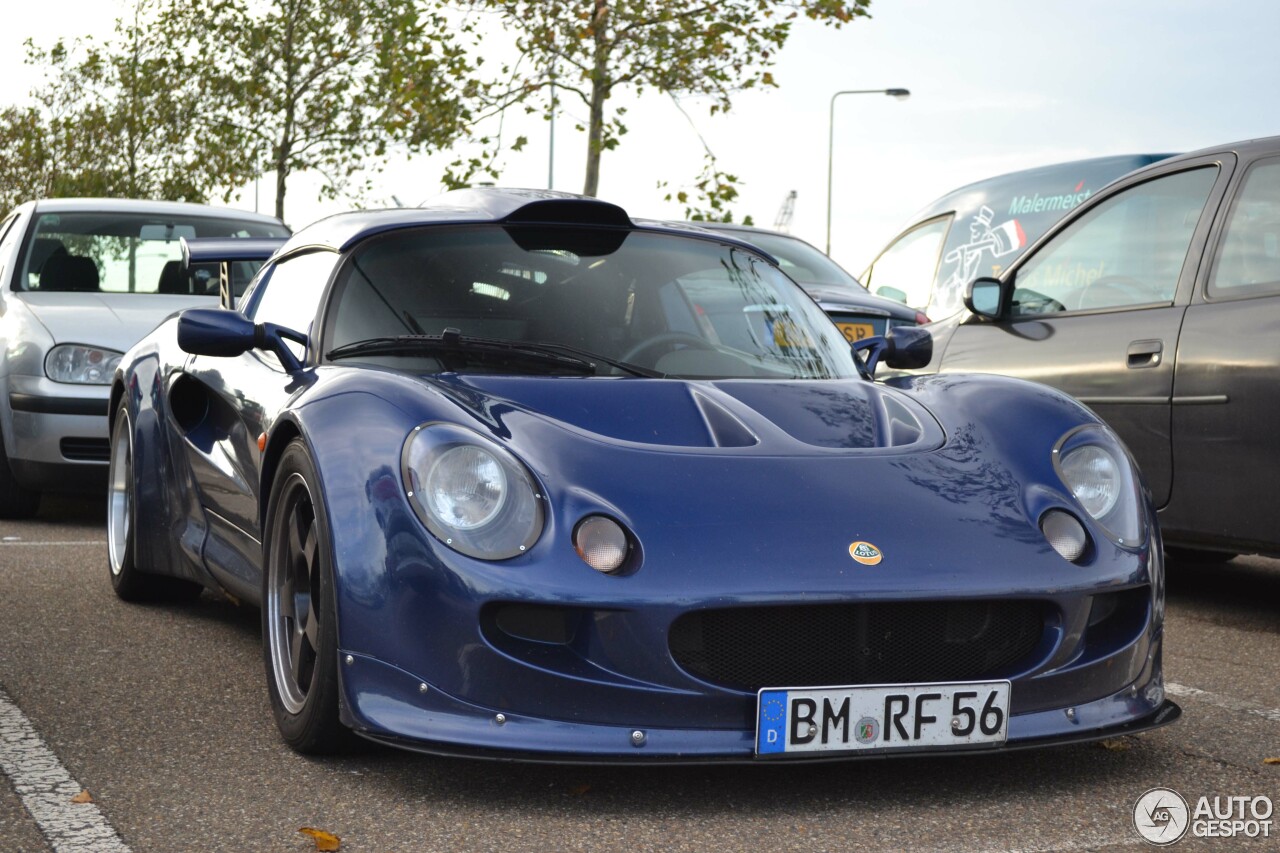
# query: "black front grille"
[747,648]
[86,449]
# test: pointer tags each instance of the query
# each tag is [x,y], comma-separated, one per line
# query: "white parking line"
[63,542]
[46,789]
[1220,701]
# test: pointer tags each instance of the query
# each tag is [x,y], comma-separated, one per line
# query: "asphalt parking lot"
[160,713]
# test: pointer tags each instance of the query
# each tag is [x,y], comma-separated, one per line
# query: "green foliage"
[594,48]
[714,191]
[327,86]
[108,120]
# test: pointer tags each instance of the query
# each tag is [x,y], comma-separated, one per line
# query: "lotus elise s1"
[515,475]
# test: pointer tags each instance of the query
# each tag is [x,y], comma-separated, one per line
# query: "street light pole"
[900,94]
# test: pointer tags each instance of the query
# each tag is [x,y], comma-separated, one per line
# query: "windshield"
[673,305]
[802,261]
[129,253]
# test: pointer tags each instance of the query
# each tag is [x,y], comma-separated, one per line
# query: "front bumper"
[392,707]
[59,437]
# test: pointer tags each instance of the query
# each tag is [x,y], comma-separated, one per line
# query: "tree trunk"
[599,92]
[282,174]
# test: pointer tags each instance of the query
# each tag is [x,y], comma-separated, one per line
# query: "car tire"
[299,616]
[130,582]
[15,500]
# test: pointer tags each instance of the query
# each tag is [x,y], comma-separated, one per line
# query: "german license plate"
[855,332]
[899,716]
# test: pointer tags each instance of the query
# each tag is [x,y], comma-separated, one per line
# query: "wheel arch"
[281,434]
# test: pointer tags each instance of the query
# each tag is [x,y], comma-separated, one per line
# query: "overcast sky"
[996,85]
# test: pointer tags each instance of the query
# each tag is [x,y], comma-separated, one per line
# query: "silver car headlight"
[81,365]
[472,495]
[1096,468]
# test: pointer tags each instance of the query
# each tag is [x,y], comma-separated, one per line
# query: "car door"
[239,397]
[1098,305]
[1226,447]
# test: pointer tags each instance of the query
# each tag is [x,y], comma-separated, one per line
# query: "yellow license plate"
[856,331]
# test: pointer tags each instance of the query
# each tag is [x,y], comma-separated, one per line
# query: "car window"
[1249,262]
[1129,250]
[803,262]
[679,305]
[909,265]
[291,296]
[116,252]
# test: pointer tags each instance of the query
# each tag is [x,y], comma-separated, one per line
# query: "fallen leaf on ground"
[1116,744]
[1271,761]
[82,797]
[579,790]
[324,840]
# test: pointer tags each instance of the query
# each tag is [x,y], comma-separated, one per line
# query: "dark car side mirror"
[221,333]
[988,297]
[909,348]
[902,348]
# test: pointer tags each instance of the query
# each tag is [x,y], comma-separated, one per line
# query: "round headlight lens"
[81,365]
[472,494]
[1094,477]
[1095,467]
[465,487]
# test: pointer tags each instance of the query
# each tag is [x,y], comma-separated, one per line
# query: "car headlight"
[1095,467]
[81,365]
[470,493]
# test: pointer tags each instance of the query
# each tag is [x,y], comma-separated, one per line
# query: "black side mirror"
[909,348]
[988,297]
[902,348]
[225,334]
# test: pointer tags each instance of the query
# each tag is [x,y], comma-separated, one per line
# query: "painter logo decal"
[865,553]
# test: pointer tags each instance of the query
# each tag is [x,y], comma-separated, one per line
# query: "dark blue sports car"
[514,475]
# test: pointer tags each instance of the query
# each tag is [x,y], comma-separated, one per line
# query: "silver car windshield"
[127,252]
[675,305]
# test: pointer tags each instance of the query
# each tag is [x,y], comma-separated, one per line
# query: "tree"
[108,120]
[594,48]
[323,85]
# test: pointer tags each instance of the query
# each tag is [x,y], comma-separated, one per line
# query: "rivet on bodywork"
[422,688]
[638,738]
[500,719]
[350,659]
[1071,713]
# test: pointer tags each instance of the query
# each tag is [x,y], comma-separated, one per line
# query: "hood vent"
[725,428]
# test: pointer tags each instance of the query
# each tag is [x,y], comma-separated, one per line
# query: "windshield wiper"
[451,342]
[634,369]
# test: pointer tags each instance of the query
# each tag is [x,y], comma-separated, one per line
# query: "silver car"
[81,280]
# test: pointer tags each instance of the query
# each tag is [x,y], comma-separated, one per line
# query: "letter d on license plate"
[900,716]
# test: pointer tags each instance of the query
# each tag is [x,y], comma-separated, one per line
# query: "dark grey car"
[856,312]
[1157,304]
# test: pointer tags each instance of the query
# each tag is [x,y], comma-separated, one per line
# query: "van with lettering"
[979,229]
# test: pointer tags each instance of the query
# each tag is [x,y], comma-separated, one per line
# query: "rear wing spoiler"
[225,251]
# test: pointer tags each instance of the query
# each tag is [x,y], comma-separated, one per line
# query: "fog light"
[1065,534]
[601,543]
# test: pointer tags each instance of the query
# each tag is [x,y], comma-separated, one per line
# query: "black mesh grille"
[86,449]
[872,643]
